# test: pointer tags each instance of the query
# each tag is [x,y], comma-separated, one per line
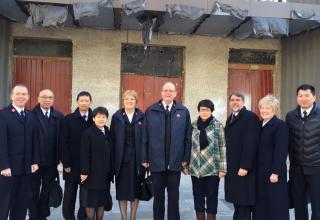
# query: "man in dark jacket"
[19,156]
[73,126]
[49,123]
[166,149]
[242,139]
[304,153]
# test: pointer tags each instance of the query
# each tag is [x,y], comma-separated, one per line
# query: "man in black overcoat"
[19,156]
[49,123]
[242,139]
[304,153]
[73,125]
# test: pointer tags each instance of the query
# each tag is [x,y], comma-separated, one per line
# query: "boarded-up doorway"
[251,73]
[41,64]
[145,71]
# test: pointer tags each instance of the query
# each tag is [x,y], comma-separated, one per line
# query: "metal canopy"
[10,10]
[178,25]
[218,25]
[209,24]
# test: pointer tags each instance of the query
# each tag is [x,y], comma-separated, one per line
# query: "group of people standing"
[250,154]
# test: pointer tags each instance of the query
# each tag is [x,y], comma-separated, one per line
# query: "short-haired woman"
[126,132]
[96,165]
[272,192]
[208,161]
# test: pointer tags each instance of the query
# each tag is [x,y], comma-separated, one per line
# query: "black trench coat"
[96,158]
[272,198]
[73,125]
[242,139]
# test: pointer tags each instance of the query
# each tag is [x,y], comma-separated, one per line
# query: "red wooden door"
[253,83]
[39,73]
[149,87]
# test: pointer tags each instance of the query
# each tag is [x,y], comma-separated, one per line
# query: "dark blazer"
[48,146]
[73,125]
[96,157]
[117,129]
[272,198]
[18,146]
[242,139]
[153,142]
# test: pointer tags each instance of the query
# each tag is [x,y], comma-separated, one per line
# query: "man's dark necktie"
[233,116]
[167,110]
[47,115]
[23,114]
[84,117]
[305,114]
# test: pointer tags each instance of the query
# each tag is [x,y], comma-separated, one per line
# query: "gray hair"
[270,100]
[238,94]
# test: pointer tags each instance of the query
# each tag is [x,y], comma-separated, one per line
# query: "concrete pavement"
[225,209]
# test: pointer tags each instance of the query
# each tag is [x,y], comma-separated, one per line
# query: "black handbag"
[146,188]
[108,203]
[55,193]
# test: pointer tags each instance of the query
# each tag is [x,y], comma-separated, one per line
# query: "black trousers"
[303,185]
[205,193]
[69,201]
[161,181]
[15,194]
[40,184]
[242,212]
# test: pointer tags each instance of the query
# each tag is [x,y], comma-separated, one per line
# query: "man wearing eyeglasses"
[18,155]
[49,122]
[166,149]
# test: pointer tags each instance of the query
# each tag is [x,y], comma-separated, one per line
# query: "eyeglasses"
[47,97]
[168,90]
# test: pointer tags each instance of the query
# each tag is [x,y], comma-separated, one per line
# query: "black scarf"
[202,125]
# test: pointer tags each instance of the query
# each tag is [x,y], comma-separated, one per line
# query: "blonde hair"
[130,93]
[270,100]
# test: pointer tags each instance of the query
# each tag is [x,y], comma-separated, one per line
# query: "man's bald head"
[46,99]
[20,95]
[168,92]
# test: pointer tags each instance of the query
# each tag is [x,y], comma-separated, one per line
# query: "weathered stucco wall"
[97,56]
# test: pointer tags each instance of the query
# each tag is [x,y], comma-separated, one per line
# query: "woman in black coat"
[96,165]
[126,131]
[272,192]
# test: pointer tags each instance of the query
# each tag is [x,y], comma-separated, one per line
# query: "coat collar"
[98,131]
[314,110]
[159,107]
[240,114]
[270,122]
[137,113]
[17,115]
[77,114]
[53,112]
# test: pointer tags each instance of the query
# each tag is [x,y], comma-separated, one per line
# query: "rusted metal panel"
[134,82]
[149,87]
[254,84]
[39,73]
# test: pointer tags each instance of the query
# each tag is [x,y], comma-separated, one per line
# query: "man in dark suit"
[242,139]
[73,126]
[49,123]
[166,149]
[304,153]
[19,156]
